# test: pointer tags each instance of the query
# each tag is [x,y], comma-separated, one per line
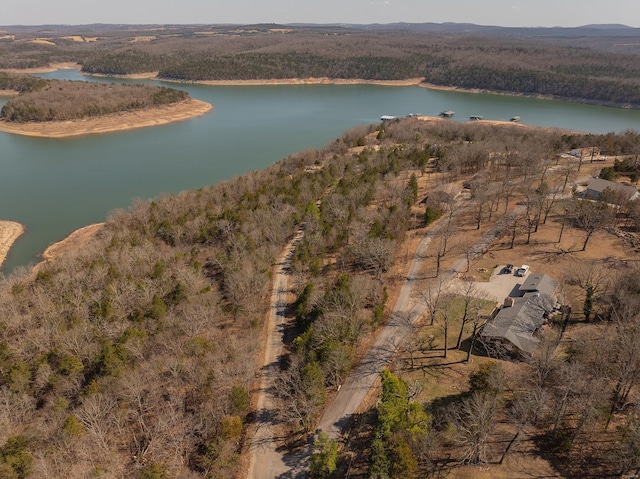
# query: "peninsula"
[111,122]
[60,109]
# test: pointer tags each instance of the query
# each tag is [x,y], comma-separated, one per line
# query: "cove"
[57,186]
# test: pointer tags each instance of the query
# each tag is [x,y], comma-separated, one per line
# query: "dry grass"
[448,377]
[482,269]
[42,41]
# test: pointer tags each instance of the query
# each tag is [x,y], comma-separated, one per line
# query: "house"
[443,194]
[512,331]
[480,179]
[589,152]
[540,284]
[615,192]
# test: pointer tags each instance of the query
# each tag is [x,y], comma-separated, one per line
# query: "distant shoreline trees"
[483,63]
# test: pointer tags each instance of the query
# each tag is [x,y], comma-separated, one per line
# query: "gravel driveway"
[500,285]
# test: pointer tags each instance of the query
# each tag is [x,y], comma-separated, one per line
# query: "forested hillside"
[20,83]
[136,356]
[58,100]
[587,65]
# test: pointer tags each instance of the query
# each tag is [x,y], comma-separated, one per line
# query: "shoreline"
[420,82]
[48,69]
[264,82]
[299,81]
[258,82]
[81,236]
[10,231]
[110,123]
[433,86]
[482,122]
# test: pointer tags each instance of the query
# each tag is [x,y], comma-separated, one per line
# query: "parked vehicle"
[508,269]
[522,270]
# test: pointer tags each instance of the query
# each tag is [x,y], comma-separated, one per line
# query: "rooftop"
[598,185]
[518,323]
[540,283]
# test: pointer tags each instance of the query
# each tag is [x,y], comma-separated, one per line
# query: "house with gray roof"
[616,193]
[538,283]
[512,332]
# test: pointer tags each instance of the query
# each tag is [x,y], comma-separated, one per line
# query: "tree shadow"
[580,459]
[355,456]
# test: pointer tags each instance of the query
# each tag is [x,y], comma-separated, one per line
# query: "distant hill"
[451,27]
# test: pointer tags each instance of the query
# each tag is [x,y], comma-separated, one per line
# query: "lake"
[56,186]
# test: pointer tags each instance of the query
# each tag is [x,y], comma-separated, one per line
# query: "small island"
[61,108]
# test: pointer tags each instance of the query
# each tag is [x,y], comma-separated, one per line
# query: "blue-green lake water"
[57,186]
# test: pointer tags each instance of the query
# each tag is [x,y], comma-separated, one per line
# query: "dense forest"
[587,65]
[20,83]
[136,356]
[59,100]
[255,66]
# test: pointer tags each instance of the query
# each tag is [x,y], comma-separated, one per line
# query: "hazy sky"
[545,13]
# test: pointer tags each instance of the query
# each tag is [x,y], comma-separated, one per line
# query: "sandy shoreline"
[110,123]
[77,238]
[279,81]
[48,69]
[284,81]
[303,81]
[10,231]
[307,81]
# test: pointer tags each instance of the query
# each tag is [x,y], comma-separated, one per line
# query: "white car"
[522,270]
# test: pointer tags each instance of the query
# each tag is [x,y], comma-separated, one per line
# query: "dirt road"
[265,461]
[362,380]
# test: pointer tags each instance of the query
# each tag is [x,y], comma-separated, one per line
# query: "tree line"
[465,61]
[572,85]
[20,83]
[59,100]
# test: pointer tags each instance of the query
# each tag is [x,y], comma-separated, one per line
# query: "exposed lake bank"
[314,81]
[111,122]
[10,231]
[355,81]
[79,237]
